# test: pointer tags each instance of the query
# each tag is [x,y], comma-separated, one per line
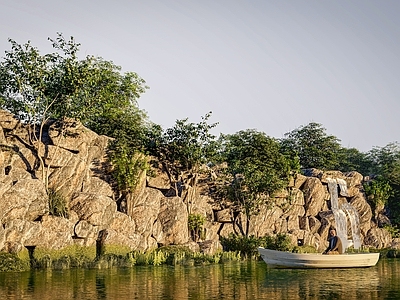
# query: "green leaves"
[56,85]
[195,225]
[127,166]
[258,159]
[187,145]
[256,166]
[378,190]
[314,147]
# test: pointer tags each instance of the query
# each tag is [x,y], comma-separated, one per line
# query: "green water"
[246,280]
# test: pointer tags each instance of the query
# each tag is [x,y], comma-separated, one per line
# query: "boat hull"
[281,259]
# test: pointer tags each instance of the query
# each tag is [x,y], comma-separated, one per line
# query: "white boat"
[281,259]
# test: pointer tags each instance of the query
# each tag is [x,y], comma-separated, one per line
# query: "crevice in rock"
[31,252]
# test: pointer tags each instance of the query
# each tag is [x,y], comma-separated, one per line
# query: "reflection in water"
[100,286]
[323,284]
[252,280]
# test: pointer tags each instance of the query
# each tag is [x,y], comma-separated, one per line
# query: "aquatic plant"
[13,263]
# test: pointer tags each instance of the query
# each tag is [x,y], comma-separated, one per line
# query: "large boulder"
[8,121]
[354,183]
[314,224]
[210,247]
[264,223]
[118,238]
[378,238]
[73,157]
[71,135]
[364,212]
[160,179]
[19,231]
[174,220]
[299,181]
[24,199]
[200,205]
[68,180]
[146,211]
[314,196]
[97,185]
[97,210]
[224,216]
[85,234]
[50,233]
[56,233]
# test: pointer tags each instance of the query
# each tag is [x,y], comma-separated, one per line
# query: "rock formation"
[75,167]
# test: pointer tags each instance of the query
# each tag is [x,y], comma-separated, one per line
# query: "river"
[236,280]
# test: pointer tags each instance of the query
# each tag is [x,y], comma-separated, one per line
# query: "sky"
[272,66]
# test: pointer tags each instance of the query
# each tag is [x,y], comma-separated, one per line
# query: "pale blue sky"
[266,65]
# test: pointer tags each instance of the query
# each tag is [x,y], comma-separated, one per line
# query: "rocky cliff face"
[75,166]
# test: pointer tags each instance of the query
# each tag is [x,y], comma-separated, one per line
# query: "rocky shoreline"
[76,168]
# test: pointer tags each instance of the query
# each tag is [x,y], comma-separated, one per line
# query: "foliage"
[180,255]
[247,245]
[305,249]
[57,204]
[315,148]
[128,164]
[351,159]
[393,230]
[74,256]
[385,162]
[393,253]
[154,258]
[12,263]
[378,190]
[195,224]
[58,85]
[256,169]
[185,146]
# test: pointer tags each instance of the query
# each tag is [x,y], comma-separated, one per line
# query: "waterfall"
[355,224]
[341,214]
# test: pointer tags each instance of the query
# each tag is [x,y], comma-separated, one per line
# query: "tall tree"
[59,85]
[257,169]
[183,148]
[351,159]
[386,164]
[315,148]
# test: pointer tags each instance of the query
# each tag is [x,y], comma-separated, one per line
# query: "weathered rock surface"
[378,238]
[77,168]
[24,199]
[173,217]
[314,196]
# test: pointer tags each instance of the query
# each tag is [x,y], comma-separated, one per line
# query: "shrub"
[12,263]
[57,204]
[247,246]
[195,224]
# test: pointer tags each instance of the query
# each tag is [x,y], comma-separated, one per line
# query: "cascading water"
[355,224]
[341,214]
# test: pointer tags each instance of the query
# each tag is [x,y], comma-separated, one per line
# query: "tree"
[36,87]
[386,162]
[378,192]
[351,159]
[386,166]
[314,147]
[257,169]
[186,146]
[59,85]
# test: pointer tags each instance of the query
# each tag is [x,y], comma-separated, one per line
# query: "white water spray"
[341,214]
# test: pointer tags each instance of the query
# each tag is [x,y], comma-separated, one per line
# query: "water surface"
[245,280]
